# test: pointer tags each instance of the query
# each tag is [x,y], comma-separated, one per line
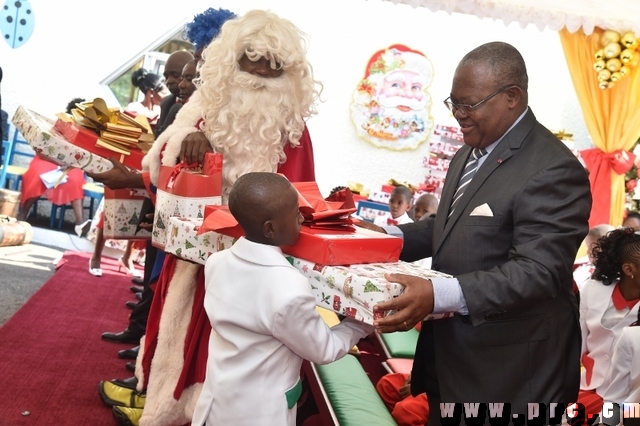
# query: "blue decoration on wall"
[16,22]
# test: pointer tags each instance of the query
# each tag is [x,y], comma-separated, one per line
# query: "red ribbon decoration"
[600,164]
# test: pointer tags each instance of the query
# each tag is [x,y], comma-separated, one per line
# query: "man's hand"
[412,306]
[370,226]
[405,390]
[119,177]
[193,148]
[148,222]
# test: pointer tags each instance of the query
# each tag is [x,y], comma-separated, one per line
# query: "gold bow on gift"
[394,182]
[358,188]
[117,131]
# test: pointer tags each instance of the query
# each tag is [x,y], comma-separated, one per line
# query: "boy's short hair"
[430,200]
[255,198]
[404,192]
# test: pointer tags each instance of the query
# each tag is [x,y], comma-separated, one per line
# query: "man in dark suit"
[509,243]
[138,318]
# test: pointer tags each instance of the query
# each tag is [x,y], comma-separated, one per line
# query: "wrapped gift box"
[39,131]
[380,196]
[345,248]
[185,193]
[347,290]
[322,246]
[122,210]
[184,242]
[86,139]
[354,290]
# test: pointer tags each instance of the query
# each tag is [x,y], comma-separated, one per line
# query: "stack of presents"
[444,142]
[345,264]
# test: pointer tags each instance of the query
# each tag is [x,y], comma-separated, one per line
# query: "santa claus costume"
[257,124]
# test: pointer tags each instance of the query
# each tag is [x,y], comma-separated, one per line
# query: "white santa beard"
[251,129]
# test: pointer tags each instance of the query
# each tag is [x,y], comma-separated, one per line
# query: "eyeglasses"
[467,109]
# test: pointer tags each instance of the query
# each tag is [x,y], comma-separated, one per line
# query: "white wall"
[75,45]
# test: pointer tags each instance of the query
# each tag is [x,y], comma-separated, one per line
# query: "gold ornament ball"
[599,65]
[612,50]
[614,64]
[604,75]
[629,40]
[605,85]
[624,70]
[610,36]
[627,55]
[615,76]
[599,55]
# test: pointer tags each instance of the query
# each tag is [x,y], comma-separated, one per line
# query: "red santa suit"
[173,354]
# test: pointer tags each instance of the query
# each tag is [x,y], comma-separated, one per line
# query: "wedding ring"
[406,327]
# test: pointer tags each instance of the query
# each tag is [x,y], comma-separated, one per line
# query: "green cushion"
[353,397]
[401,344]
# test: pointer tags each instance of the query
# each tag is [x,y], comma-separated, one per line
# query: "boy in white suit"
[263,314]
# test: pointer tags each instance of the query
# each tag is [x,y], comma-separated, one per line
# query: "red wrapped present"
[387,188]
[321,246]
[331,248]
[85,138]
[184,192]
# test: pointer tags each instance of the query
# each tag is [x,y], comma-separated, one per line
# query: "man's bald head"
[173,69]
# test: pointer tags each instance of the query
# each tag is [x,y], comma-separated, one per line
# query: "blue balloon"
[16,22]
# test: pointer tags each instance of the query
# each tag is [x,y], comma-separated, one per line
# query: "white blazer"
[264,324]
[625,369]
[598,341]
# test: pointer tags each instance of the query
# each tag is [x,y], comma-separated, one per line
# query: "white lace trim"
[619,15]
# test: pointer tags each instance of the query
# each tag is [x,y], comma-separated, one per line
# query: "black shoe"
[131,366]
[125,336]
[137,280]
[129,353]
[129,383]
[131,304]
[136,289]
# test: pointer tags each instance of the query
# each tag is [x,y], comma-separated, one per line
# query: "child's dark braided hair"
[612,250]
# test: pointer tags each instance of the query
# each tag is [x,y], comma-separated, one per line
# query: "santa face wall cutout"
[391,105]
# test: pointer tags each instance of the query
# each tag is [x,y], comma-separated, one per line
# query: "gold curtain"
[612,115]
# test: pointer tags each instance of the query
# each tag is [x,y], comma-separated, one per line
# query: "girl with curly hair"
[608,304]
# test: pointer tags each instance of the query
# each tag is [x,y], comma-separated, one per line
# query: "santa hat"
[399,57]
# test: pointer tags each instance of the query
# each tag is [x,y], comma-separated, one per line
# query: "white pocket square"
[483,210]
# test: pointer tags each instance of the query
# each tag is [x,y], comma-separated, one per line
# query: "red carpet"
[51,354]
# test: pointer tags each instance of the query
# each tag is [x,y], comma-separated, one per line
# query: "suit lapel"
[451,183]
[501,153]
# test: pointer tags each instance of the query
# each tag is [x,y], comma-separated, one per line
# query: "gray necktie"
[469,170]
